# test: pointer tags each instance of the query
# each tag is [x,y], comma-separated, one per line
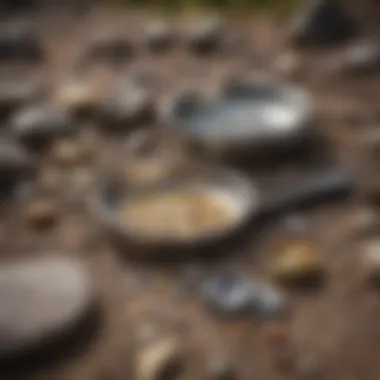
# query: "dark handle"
[317,188]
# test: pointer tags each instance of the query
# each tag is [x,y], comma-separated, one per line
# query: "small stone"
[41,299]
[81,97]
[113,48]
[234,296]
[132,106]
[322,22]
[37,126]
[15,162]
[18,43]
[361,59]
[297,263]
[42,213]
[206,36]
[159,36]
[162,360]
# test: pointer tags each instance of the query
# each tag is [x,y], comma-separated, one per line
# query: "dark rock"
[206,37]
[15,161]
[38,125]
[323,22]
[40,300]
[115,49]
[18,43]
[159,36]
[131,106]
[232,296]
[15,93]
[361,59]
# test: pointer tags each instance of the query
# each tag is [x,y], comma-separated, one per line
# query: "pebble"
[15,161]
[206,36]
[80,97]
[132,106]
[235,296]
[162,360]
[297,263]
[19,43]
[41,299]
[361,59]
[159,36]
[111,48]
[42,213]
[322,22]
[38,125]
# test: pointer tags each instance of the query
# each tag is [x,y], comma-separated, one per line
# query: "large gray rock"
[40,299]
[322,22]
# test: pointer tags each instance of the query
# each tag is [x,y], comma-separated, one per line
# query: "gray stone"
[38,125]
[206,37]
[40,299]
[234,296]
[18,43]
[362,58]
[322,22]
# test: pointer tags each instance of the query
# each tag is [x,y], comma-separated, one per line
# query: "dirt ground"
[330,334]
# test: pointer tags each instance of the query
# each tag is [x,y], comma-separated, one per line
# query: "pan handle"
[317,188]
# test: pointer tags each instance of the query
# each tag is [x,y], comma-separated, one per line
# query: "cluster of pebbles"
[107,151]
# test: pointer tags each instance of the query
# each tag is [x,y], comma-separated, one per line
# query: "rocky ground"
[71,110]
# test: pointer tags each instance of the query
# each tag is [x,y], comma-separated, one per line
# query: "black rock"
[115,49]
[233,296]
[38,125]
[159,36]
[206,37]
[15,162]
[40,299]
[18,43]
[323,22]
